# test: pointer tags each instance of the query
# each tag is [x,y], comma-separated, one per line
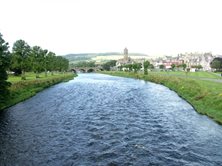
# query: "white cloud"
[146,26]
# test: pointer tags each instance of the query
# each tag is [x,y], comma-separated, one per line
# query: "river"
[97,119]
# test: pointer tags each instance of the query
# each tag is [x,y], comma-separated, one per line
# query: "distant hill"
[99,57]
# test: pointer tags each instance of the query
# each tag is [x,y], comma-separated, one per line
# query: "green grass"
[204,96]
[22,90]
[199,74]
[32,76]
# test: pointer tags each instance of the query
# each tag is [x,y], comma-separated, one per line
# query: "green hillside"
[100,57]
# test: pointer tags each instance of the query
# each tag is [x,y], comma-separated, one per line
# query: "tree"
[136,67]
[4,64]
[184,66]
[62,64]
[187,71]
[173,66]
[146,64]
[129,67]
[45,61]
[21,56]
[108,65]
[51,58]
[151,66]
[162,67]
[37,60]
[216,64]
[199,67]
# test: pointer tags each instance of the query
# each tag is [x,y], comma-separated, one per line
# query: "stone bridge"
[86,69]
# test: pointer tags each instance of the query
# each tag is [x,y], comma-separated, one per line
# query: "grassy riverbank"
[22,90]
[204,96]
[199,74]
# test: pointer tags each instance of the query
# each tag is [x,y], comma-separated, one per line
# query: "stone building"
[167,61]
[125,60]
[195,59]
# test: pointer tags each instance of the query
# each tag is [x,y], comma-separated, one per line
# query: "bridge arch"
[74,71]
[82,70]
[87,69]
[90,70]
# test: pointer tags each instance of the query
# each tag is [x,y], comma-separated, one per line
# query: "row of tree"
[25,58]
[137,66]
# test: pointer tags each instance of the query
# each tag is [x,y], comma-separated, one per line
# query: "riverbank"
[22,90]
[204,96]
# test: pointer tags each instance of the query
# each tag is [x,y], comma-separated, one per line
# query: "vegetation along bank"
[21,90]
[204,96]
[21,70]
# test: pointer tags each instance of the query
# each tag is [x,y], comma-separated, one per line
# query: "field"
[204,95]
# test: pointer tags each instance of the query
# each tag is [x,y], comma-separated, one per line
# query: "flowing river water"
[98,119]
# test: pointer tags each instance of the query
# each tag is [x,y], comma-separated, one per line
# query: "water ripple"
[104,120]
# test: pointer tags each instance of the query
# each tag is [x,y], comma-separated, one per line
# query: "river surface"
[97,119]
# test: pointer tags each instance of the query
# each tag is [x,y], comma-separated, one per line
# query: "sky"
[153,27]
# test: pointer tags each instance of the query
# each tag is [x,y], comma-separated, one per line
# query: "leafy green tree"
[199,66]
[4,64]
[136,67]
[45,61]
[129,67]
[162,67]
[216,64]
[146,64]
[120,68]
[62,64]
[187,71]
[37,60]
[108,65]
[184,66]
[151,66]
[51,58]
[21,56]
[173,66]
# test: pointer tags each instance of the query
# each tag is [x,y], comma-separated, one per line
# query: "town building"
[167,61]
[192,60]
[196,59]
[125,60]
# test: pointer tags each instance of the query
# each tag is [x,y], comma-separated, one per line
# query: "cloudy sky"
[154,27]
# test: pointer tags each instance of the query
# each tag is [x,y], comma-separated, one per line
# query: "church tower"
[126,54]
